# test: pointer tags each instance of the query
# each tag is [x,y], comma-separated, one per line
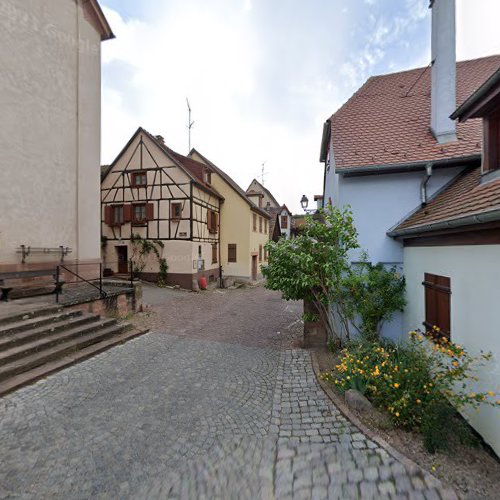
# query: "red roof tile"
[464,196]
[387,121]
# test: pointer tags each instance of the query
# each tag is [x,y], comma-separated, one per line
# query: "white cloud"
[478,27]
[261,80]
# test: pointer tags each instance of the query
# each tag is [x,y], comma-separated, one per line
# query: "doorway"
[122,252]
[254,267]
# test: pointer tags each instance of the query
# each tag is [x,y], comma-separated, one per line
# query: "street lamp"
[304,202]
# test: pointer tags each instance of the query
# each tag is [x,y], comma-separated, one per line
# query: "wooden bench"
[15,281]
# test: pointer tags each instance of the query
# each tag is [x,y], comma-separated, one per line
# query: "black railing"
[79,277]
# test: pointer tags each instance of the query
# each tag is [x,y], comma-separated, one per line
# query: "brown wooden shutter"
[150,211]
[437,303]
[127,213]
[108,213]
[216,219]
[209,220]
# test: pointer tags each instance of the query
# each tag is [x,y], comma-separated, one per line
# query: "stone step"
[34,374]
[60,349]
[10,312]
[66,330]
[8,341]
[37,321]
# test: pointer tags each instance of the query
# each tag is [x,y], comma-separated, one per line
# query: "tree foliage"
[313,265]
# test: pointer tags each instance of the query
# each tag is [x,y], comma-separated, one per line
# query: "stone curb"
[446,493]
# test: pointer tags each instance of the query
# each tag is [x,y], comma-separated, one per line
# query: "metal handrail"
[102,293]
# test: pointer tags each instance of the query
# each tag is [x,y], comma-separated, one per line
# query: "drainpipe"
[221,279]
[423,184]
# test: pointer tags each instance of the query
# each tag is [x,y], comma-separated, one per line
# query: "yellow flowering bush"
[412,380]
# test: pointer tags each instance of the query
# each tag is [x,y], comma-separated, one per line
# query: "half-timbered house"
[153,192]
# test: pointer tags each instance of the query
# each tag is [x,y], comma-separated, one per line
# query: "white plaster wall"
[287,230]
[475,295]
[50,128]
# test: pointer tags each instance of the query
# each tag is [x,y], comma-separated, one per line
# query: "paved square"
[213,403]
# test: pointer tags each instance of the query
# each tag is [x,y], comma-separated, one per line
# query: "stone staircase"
[40,341]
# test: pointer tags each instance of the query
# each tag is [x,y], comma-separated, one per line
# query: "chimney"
[161,139]
[444,69]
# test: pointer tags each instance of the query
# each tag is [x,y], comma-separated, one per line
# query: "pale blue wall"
[378,203]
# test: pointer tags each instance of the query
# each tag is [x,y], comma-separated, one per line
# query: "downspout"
[221,282]
[423,184]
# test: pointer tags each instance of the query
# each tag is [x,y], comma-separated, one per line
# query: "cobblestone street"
[217,401]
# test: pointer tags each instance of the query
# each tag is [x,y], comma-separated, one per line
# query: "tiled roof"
[104,170]
[263,190]
[465,196]
[231,183]
[387,121]
[193,168]
[274,212]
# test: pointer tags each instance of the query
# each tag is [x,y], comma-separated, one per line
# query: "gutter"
[465,107]
[325,141]
[468,220]
[407,167]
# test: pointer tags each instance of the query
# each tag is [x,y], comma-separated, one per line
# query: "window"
[207,176]
[254,222]
[214,253]
[231,252]
[260,253]
[437,303]
[117,214]
[265,225]
[212,221]
[260,224]
[139,179]
[139,214]
[176,210]
[491,133]
[265,253]
[284,222]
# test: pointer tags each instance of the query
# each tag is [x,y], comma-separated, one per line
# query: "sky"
[262,76]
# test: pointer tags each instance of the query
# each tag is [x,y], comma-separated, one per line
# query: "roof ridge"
[230,181]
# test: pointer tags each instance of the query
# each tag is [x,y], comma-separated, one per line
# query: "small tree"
[313,265]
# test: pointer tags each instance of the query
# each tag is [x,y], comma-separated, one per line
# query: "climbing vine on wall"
[141,250]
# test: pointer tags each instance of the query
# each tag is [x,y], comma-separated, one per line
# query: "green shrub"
[373,294]
[420,383]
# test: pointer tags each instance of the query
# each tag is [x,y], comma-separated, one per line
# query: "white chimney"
[444,69]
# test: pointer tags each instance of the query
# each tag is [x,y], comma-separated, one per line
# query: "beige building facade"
[50,106]
[154,193]
[244,227]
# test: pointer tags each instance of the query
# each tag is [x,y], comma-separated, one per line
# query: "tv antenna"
[189,125]
[262,172]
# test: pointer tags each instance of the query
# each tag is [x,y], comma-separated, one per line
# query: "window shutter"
[150,211]
[437,303]
[127,213]
[209,220]
[107,214]
[216,219]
